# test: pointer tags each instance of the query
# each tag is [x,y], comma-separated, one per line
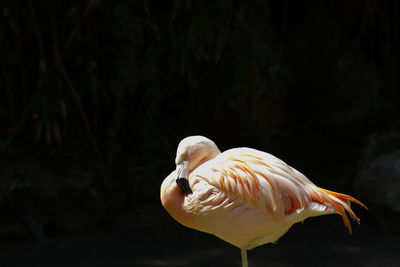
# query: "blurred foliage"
[90,72]
[112,76]
[124,81]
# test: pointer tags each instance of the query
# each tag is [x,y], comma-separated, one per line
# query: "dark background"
[96,95]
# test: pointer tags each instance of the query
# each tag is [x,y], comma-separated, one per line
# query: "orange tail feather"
[341,203]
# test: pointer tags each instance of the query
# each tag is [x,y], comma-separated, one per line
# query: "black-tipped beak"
[183,183]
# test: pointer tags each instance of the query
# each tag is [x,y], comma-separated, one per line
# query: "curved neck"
[201,156]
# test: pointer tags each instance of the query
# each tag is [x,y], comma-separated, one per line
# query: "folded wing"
[265,182]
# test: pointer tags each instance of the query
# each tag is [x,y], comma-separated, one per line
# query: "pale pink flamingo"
[244,196]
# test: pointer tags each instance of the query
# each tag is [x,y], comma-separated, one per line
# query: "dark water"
[159,241]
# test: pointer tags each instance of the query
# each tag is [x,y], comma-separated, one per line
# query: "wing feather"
[260,180]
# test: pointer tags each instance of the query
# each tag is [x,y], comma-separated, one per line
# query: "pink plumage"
[244,196]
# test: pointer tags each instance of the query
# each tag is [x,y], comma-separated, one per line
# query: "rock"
[378,178]
[58,199]
[20,177]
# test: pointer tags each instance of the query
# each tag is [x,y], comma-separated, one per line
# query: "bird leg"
[244,257]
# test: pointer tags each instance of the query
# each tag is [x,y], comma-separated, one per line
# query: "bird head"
[191,153]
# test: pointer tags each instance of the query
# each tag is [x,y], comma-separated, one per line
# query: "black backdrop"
[95,96]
